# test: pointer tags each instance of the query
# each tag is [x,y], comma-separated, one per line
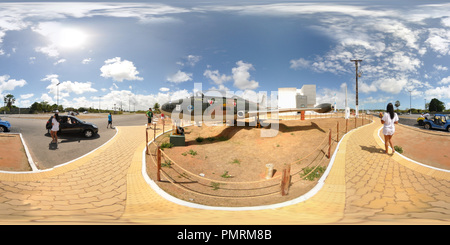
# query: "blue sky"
[142,52]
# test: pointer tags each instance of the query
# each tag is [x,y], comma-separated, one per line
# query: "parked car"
[71,124]
[5,126]
[438,121]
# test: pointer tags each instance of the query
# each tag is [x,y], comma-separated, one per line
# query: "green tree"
[9,100]
[397,104]
[436,105]
[156,108]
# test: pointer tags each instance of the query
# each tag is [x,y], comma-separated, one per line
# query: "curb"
[302,198]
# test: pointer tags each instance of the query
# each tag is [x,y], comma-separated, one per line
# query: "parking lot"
[70,146]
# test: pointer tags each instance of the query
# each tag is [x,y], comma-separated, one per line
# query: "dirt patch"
[12,154]
[429,147]
[226,165]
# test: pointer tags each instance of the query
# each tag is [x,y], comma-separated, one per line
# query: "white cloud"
[438,92]
[164,89]
[241,76]
[66,88]
[440,67]
[439,40]
[391,85]
[180,77]
[46,97]
[7,84]
[299,63]
[60,61]
[26,96]
[86,61]
[119,70]
[445,80]
[216,77]
[190,60]
[366,88]
[51,51]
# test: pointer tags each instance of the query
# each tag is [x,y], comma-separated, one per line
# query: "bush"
[398,149]
[166,145]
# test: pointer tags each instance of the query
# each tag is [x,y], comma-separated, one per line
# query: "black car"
[71,124]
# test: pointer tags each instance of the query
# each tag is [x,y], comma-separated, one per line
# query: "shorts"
[149,120]
[388,131]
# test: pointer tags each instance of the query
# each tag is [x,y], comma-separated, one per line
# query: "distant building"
[297,98]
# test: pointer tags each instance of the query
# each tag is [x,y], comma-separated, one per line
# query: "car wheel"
[3,129]
[88,133]
[427,126]
[420,123]
[448,128]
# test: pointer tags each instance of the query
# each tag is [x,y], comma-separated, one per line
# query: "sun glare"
[71,38]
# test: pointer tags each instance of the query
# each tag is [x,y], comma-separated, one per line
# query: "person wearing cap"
[149,115]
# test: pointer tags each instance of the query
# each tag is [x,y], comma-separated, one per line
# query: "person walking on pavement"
[55,128]
[388,120]
[149,115]
[109,121]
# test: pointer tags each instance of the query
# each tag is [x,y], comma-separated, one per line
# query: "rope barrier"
[316,161]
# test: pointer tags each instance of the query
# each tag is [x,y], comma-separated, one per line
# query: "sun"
[71,38]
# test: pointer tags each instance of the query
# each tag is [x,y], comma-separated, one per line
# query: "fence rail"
[188,181]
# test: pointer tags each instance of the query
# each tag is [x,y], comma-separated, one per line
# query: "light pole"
[357,75]
[409,101]
[57,95]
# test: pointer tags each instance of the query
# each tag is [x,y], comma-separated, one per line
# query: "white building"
[297,98]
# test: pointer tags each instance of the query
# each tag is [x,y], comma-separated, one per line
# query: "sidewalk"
[364,186]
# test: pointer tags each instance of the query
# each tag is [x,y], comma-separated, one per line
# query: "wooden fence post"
[285,180]
[329,144]
[346,125]
[337,131]
[158,164]
[146,141]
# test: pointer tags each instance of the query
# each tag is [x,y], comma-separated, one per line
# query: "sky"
[135,53]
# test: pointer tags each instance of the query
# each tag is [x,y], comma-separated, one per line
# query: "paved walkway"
[364,186]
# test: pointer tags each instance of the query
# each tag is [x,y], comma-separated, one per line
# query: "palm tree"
[9,100]
[397,104]
[156,108]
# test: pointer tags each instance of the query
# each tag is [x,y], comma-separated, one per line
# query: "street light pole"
[357,75]
[57,95]
[409,101]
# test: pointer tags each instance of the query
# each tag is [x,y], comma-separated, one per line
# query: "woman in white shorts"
[388,120]
[55,128]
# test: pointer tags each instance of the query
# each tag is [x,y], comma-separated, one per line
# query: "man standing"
[109,121]
[149,115]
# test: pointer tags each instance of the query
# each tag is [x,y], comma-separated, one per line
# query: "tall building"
[297,98]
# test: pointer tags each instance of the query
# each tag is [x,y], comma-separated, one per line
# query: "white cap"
[56,111]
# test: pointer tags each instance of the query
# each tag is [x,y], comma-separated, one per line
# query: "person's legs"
[386,143]
[53,134]
[392,145]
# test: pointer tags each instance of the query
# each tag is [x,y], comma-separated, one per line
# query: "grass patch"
[166,145]
[226,175]
[190,152]
[215,185]
[308,175]
[398,149]
[199,139]
[236,161]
